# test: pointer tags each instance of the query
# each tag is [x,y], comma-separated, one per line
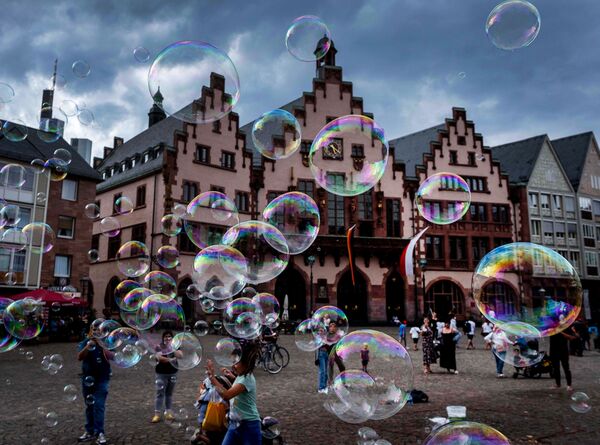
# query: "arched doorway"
[500,297]
[444,297]
[352,298]
[291,283]
[109,295]
[394,296]
[186,304]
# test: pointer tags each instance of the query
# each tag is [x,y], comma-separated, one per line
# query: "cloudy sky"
[403,56]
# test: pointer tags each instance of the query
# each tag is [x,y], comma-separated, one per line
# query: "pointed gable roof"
[409,149]
[572,152]
[518,158]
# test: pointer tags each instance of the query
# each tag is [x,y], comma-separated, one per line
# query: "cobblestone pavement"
[527,411]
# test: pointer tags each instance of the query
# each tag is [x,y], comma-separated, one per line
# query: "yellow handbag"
[214,419]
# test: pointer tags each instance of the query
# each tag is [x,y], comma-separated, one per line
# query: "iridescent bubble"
[10,215]
[513,24]
[7,93]
[276,134]
[355,388]
[134,299]
[241,318]
[580,402]
[188,351]
[308,38]
[297,217]
[147,314]
[527,348]
[178,75]
[228,352]
[168,257]
[366,433]
[51,419]
[123,205]
[200,221]
[549,309]
[40,237]
[13,239]
[24,319]
[52,128]
[264,248]
[143,346]
[91,210]
[63,155]
[105,328]
[58,81]
[323,318]
[249,292]
[93,255]
[81,68]
[221,267]
[141,54]
[208,305]
[13,176]
[193,292]
[15,131]
[160,282]
[69,108]
[40,198]
[37,166]
[217,325]
[110,226]
[443,198]
[172,315]
[268,307]
[125,353]
[56,168]
[171,225]
[247,325]
[349,155]
[201,328]
[270,428]
[122,289]
[305,336]
[462,432]
[133,258]
[85,117]
[179,210]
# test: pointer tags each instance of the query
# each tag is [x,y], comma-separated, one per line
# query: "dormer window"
[104,174]
[123,166]
[133,162]
[146,157]
[112,171]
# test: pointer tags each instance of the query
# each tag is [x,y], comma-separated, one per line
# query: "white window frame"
[557,202]
[536,224]
[63,188]
[68,258]
[547,196]
[591,259]
[585,204]
[72,228]
[533,200]
[588,231]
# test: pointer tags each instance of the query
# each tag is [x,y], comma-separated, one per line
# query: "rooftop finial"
[54,75]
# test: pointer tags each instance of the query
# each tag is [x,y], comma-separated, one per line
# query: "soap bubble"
[527,348]
[63,155]
[123,205]
[276,134]
[141,54]
[201,328]
[188,351]
[580,402]
[264,248]
[349,155]
[241,318]
[69,108]
[23,319]
[7,93]
[85,116]
[89,381]
[133,259]
[15,131]
[179,210]
[324,332]
[171,225]
[93,255]
[308,38]
[15,240]
[305,336]
[228,352]
[134,299]
[12,176]
[208,305]
[167,257]
[110,226]
[160,282]
[462,432]
[443,198]
[122,289]
[193,292]
[92,210]
[356,390]
[366,433]
[51,419]
[268,307]
[203,215]
[513,24]
[70,393]
[56,169]
[220,267]
[40,237]
[81,68]
[40,198]
[10,215]
[296,215]
[52,128]
[549,309]
[180,72]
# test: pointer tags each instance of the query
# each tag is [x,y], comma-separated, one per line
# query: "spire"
[158,97]
[329,58]
[48,96]
[156,113]
[54,75]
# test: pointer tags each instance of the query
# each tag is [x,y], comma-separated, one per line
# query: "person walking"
[414,333]
[470,333]
[166,377]
[448,348]
[559,354]
[499,344]
[429,355]
[433,322]
[486,329]
[402,333]
[244,419]
[95,376]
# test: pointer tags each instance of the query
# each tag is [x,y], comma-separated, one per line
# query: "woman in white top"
[499,343]
[486,329]
[415,332]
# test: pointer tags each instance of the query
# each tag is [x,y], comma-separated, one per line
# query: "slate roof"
[517,159]
[572,152]
[32,147]
[139,171]
[409,149]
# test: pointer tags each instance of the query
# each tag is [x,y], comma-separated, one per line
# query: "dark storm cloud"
[403,57]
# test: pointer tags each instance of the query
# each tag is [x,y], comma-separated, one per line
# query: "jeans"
[499,356]
[165,385]
[323,358]
[94,412]
[556,361]
[248,432]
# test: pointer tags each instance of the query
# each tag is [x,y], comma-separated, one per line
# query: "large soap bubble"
[220,271]
[133,259]
[297,217]
[12,176]
[183,70]
[160,282]
[264,248]
[123,343]
[52,128]
[208,216]
[443,198]
[308,38]
[349,155]
[268,307]
[513,24]
[305,336]
[330,324]
[40,237]
[7,341]
[276,134]
[527,348]
[228,352]
[550,297]
[188,351]
[122,289]
[466,433]
[241,318]
[23,319]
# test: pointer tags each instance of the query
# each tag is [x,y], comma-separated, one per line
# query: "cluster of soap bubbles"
[52,363]
[368,436]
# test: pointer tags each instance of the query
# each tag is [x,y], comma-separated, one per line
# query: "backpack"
[419,396]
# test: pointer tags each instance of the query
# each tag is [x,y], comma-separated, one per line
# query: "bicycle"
[265,358]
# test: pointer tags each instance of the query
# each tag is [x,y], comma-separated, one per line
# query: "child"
[208,437]
[364,357]
[415,332]
[402,332]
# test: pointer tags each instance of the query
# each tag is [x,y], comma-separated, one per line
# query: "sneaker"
[569,388]
[101,439]
[455,372]
[86,437]
[155,419]
[169,417]
[323,391]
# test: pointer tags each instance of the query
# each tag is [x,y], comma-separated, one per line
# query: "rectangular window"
[591,258]
[190,190]
[358,151]
[548,229]
[478,212]
[595,182]
[569,204]
[535,227]
[19,262]
[242,201]
[203,154]
[216,188]
[471,158]
[95,242]
[228,160]
[480,247]
[500,213]
[24,215]
[572,231]
[66,227]
[585,204]
[588,231]
[597,233]
[140,196]
[596,208]
[138,233]
[458,248]
[62,266]
[574,259]
[461,140]
[305,147]
[476,184]
[434,247]
[114,243]
[559,230]
[69,190]
[533,200]
[557,202]
[185,244]
[545,201]
[453,158]
[306,187]
[393,217]
[117,205]
[217,127]
[336,220]
[365,206]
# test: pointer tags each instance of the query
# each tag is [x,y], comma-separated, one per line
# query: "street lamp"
[311,262]
[422,265]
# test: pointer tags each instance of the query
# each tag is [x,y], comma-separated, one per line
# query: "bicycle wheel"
[281,356]
[271,366]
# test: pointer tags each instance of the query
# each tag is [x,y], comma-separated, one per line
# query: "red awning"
[50,297]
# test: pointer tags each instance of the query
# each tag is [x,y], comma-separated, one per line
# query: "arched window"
[501,297]
[444,297]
